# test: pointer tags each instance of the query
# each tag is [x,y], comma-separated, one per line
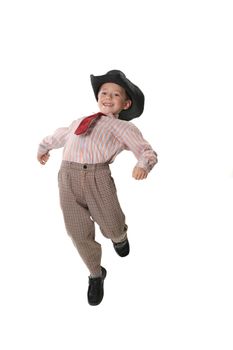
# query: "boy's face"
[112,99]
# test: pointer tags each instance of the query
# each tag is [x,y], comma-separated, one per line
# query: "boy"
[87,190]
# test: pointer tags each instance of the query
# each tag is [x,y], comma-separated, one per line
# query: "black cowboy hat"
[133,92]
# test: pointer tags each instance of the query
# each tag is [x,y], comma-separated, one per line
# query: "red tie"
[86,123]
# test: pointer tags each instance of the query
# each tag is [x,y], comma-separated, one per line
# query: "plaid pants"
[88,195]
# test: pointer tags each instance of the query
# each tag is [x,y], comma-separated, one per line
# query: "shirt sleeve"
[56,140]
[134,141]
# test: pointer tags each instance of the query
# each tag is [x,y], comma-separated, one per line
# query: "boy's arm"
[57,140]
[146,156]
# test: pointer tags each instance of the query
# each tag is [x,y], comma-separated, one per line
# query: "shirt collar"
[116,116]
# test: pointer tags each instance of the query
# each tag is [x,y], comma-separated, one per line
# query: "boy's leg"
[104,205]
[77,219]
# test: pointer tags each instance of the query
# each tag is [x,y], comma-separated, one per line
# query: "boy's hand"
[43,158]
[139,173]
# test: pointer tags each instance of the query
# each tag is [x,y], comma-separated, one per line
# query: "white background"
[174,291]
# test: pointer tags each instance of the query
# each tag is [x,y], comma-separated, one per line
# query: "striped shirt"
[102,143]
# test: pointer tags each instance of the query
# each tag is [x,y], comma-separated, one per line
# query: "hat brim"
[133,91]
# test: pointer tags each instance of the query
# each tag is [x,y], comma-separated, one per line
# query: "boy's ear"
[128,104]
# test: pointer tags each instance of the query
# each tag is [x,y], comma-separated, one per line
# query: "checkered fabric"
[88,196]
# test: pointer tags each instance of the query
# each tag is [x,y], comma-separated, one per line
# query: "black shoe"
[122,248]
[96,288]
